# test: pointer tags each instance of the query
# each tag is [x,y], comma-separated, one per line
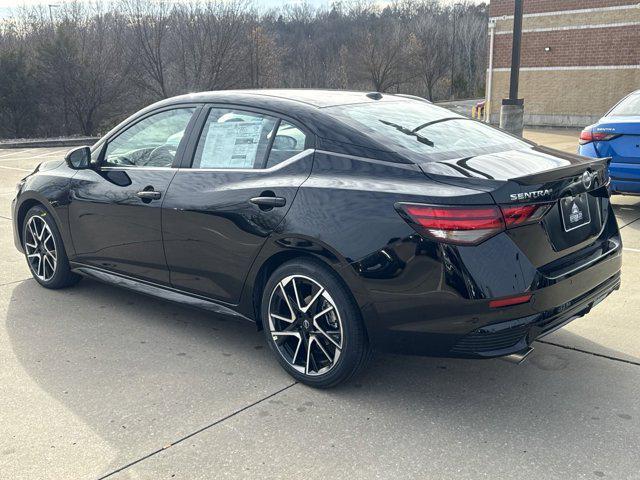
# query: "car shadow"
[101,351]
[138,372]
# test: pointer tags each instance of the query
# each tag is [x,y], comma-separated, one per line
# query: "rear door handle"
[149,195]
[269,202]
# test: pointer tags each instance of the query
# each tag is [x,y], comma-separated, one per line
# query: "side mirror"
[79,158]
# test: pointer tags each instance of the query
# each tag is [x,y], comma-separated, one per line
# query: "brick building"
[579,57]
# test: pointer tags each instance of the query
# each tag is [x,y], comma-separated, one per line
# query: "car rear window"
[627,107]
[423,132]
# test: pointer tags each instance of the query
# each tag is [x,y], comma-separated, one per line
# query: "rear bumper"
[513,336]
[441,323]
[625,178]
[496,339]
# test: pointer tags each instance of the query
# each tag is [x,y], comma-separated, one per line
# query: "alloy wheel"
[305,325]
[40,248]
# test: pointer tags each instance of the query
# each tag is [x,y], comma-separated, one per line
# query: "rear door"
[114,212]
[239,179]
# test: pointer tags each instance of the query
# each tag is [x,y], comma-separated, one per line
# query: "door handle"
[149,195]
[269,202]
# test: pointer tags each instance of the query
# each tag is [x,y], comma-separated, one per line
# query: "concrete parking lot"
[99,382]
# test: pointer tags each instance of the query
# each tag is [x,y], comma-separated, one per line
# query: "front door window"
[152,142]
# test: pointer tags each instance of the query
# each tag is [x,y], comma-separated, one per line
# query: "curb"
[62,142]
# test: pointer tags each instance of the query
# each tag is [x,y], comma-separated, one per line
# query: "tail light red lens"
[587,136]
[459,225]
[522,214]
[468,225]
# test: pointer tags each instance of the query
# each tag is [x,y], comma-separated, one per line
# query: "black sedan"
[338,222]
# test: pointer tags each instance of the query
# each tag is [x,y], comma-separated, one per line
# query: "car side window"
[152,142]
[289,141]
[234,139]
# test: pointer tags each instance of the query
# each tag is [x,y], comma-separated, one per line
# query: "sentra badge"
[531,195]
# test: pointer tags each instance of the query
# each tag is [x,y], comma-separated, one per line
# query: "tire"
[44,250]
[332,346]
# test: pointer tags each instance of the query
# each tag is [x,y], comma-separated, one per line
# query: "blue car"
[617,135]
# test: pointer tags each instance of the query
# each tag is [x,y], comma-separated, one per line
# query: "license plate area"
[575,212]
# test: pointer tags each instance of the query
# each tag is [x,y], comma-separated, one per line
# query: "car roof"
[311,97]
[304,106]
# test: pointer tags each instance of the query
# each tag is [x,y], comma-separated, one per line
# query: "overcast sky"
[7,5]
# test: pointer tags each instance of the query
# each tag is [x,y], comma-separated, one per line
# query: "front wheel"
[313,324]
[45,253]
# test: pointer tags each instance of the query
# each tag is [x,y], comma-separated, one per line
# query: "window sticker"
[231,145]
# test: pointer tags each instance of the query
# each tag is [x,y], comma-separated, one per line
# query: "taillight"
[468,225]
[587,135]
[460,225]
[517,215]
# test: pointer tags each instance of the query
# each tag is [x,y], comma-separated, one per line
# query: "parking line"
[44,156]
[48,154]
[608,357]
[192,434]
[637,250]
[16,168]
[15,159]
[18,151]
[629,223]
[16,281]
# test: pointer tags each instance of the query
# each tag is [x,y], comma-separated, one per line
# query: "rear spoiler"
[593,164]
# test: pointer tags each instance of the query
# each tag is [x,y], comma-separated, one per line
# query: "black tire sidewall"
[354,340]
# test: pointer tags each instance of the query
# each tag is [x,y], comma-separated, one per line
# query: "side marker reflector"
[506,302]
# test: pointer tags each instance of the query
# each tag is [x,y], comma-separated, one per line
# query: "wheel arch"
[21,213]
[279,251]
[30,200]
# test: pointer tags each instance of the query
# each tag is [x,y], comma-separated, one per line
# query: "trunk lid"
[533,175]
[536,175]
[625,147]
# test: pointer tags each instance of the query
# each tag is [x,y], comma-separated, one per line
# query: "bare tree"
[87,65]
[297,37]
[225,41]
[210,42]
[384,48]
[430,52]
[150,22]
[263,61]
[473,47]
[17,93]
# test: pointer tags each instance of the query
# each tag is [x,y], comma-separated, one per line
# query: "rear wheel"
[313,324]
[45,253]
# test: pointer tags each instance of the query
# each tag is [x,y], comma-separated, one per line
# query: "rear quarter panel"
[344,213]
[348,202]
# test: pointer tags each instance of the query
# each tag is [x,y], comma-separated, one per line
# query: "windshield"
[627,107]
[424,132]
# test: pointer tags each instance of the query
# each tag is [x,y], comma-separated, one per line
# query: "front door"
[115,213]
[246,170]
